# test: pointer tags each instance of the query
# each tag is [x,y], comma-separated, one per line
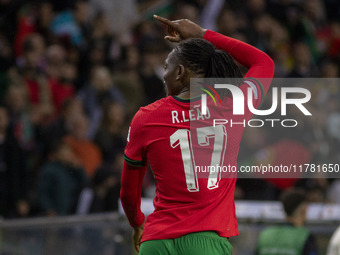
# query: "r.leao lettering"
[191,115]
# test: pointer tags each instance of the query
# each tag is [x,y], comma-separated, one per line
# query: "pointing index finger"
[164,20]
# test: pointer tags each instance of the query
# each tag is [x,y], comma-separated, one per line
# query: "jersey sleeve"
[135,153]
[260,65]
[257,88]
[130,193]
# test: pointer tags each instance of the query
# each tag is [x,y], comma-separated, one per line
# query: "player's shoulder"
[151,110]
[154,107]
[157,104]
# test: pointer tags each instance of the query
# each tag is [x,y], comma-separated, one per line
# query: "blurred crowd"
[73,73]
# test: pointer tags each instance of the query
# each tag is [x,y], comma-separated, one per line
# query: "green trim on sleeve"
[136,163]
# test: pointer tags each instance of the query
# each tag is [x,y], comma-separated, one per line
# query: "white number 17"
[182,137]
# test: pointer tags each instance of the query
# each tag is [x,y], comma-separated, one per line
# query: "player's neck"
[296,221]
[184,93]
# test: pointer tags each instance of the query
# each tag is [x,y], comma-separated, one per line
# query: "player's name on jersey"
[191,115]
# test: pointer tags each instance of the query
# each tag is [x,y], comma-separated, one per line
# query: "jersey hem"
[174,236]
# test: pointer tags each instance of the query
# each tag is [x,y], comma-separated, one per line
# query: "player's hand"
[137,236]
[182,29]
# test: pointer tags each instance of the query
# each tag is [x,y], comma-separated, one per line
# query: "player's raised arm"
[259,63]
[182,29]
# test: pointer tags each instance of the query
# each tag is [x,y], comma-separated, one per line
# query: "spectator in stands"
[101,37]
[103,195]
[151,72]
[33,70]
[13,172]
[127,79]
[55,57]
[63,88]
[88,154]
[60,182]
[6,54]
[44,18]
[72,24]
[109,137]
[59,128]
[304,65]
[19,113]
[291,237]
[125,15]
[32,67]
[99,92]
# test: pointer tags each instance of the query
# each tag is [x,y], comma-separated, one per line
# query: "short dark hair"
[291,199]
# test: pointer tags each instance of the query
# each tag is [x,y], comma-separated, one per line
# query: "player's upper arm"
[257,89]
[259,77]
[135,153]
[260,65]
[262,71]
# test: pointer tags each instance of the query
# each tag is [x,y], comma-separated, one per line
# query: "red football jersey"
[163,135]
[177,142]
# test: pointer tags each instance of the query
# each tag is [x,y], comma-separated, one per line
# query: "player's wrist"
[139,223]
[141,227]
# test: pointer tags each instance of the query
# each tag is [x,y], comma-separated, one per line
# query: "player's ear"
[180,72]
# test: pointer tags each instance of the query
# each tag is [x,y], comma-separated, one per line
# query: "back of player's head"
[292,199]
[202,58]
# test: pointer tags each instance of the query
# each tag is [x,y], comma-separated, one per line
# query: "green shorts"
[199,243]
